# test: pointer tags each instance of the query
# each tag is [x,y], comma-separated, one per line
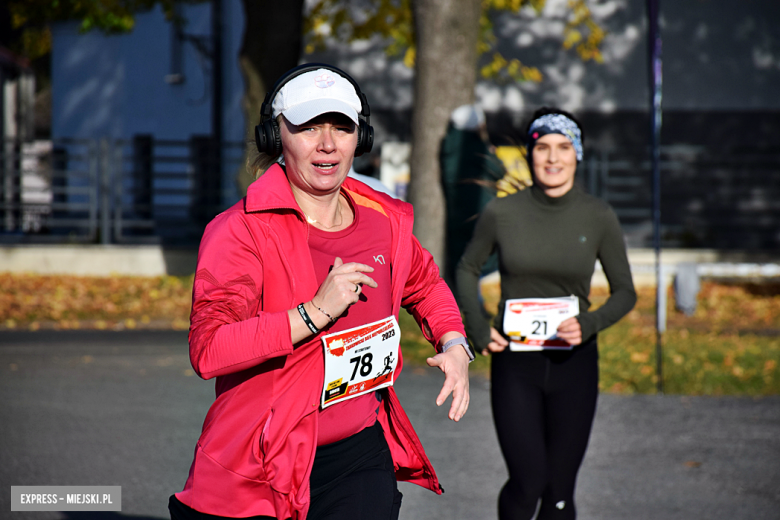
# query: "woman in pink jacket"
[295,306]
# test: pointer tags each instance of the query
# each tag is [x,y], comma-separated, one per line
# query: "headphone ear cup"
[274,137]
[268,139]
[259,138]
[365,138]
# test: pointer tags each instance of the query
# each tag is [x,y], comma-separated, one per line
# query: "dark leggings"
[543,408]
[355,479]
[181,511]
[351,479]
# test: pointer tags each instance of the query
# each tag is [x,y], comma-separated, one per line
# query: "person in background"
[295,305]
[543,341]
[469,169]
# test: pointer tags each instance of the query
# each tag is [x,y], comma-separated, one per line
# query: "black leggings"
[181,511]
[543,408]
[351,479]
[355,479]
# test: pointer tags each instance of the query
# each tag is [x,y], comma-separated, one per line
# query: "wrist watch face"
[460,341]
[470,349]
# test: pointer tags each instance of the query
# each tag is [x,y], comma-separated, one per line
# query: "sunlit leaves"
[588,47]
[409,57]
[348,21]
[391,20]
[33,18]
[500,68]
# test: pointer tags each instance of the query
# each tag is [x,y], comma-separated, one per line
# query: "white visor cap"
[315,93]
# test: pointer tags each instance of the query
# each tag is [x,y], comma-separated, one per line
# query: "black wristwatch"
[460,341]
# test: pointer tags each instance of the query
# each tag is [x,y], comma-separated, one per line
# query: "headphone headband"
[266,111]
[267,135]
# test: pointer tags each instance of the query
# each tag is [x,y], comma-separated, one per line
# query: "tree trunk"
[446,34]
[271,46]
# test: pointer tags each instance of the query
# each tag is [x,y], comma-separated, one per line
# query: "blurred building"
[721,58]
[17,95]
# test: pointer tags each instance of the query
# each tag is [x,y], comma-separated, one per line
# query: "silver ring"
[357,287]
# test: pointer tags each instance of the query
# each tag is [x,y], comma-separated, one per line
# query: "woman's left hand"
[455,365]
[570,331]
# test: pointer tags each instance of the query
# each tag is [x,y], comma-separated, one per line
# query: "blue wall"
[114,86]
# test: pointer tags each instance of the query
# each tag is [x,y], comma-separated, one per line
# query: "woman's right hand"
[497,342]
[342,287]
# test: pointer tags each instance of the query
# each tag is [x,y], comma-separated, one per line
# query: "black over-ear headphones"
[267,135]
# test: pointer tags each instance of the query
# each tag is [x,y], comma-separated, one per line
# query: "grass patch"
[730,346]
[694,363]
[416,348]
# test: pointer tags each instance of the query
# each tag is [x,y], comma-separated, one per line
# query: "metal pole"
[116,180]
[654,50]
[217,31]
[105,192]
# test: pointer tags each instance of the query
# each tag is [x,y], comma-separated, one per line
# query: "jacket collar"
[272,192]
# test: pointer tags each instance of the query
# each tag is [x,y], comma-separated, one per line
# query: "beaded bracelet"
[307,320]
[331,318]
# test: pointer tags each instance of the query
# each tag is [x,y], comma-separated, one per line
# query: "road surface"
[125,409]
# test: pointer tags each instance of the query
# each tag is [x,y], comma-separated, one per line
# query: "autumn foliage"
[115,302]
[730,346]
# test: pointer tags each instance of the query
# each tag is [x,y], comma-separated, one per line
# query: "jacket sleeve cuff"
[434,331]
[588,325]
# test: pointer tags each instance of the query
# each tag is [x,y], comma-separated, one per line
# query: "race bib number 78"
[360,360]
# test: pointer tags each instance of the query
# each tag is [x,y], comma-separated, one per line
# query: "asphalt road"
[125,409]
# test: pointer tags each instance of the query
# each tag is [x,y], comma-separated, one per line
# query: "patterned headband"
[556,124]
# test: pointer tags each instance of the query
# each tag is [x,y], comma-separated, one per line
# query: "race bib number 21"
[532,323]
[360,360]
